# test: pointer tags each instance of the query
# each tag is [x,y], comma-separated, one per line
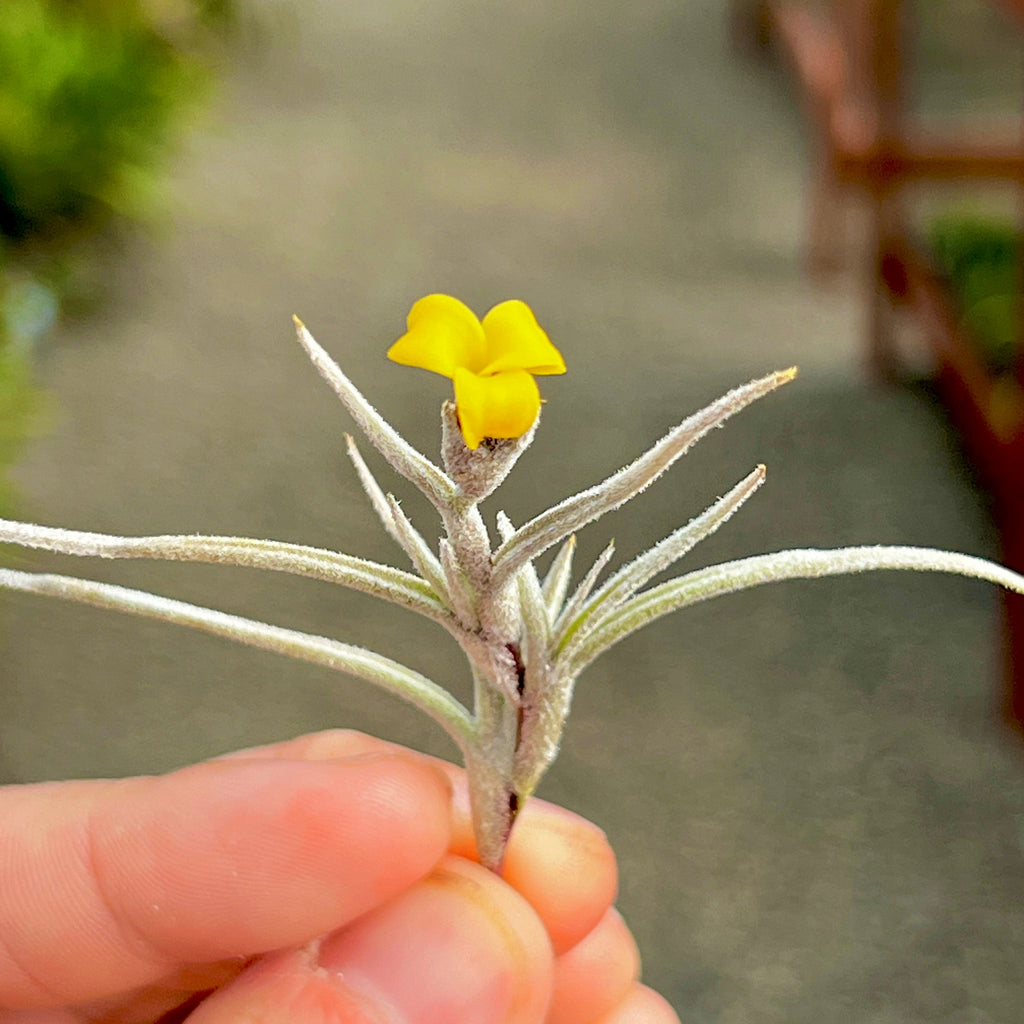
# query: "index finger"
[109,885]
[560,863]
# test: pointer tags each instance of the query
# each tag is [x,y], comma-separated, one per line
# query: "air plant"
[527,638]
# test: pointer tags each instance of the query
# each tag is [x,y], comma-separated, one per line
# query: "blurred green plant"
[20,412]
[91,97]
[28,309]
[186,23]
[979,255]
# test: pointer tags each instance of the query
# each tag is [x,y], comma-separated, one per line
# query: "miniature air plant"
[527,638]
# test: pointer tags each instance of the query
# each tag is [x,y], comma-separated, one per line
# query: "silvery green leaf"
[504,525]
[404,459]
[467,534]
[374,491]
[459,588]
[383,581]
[556,583]
[571,613]
[541,727]
[535,628]
[548,528]
[644,567]
[744,573]
[398,526]
[494,805]
[492,665]
[533,616]
[418,550]
[527,577]
[375,668]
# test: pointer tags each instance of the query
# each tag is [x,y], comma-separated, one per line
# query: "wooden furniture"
[848,60]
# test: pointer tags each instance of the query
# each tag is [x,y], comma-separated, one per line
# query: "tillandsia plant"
[526,638]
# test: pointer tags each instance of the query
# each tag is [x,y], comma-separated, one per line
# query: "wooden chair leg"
[886,225]
[826,229]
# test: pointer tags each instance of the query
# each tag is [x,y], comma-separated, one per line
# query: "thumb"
[459,947]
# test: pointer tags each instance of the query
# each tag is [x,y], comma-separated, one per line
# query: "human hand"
[200,895]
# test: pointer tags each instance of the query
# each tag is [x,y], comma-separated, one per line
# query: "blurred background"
[817,805]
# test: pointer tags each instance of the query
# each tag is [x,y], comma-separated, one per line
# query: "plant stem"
[490,764]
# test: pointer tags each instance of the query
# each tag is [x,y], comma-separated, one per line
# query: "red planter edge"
[988,413]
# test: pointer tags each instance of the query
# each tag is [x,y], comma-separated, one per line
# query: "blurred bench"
[848,58]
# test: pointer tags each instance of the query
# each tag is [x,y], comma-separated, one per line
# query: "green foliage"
[980,256]
[20,409]
[27,309]
[92,97]
[89,102]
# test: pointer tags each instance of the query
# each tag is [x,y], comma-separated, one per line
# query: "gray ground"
[818,815]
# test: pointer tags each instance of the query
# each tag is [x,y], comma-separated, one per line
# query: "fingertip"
[642,1006]
[564,867]
[459,946]
[595,975]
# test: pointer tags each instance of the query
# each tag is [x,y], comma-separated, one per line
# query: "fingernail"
[458,946]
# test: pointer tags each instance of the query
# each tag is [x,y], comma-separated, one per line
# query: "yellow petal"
[515,341]
[502,405]
[443,334]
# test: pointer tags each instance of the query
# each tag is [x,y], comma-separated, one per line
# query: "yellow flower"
[492,362]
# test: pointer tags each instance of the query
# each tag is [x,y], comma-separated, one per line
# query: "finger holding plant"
[526,638]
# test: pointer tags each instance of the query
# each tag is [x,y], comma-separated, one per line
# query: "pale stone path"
[818,818]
